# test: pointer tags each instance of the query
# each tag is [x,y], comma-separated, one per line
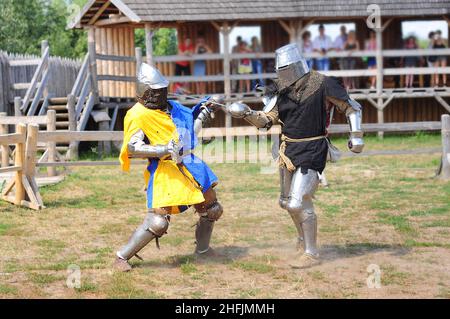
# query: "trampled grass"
[384,210]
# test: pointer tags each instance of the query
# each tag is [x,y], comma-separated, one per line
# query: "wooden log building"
[113,55]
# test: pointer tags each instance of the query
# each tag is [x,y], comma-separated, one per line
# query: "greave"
[140,238]
[309,227]
[154,225]
[203,232]
[298,225]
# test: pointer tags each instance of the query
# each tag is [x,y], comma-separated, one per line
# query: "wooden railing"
[36,89]
[22,188]
[331,54]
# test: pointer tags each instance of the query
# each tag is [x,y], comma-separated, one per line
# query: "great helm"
[290,64]
[149,77]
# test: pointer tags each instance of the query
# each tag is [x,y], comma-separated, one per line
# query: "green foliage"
[26,23]
[164,41]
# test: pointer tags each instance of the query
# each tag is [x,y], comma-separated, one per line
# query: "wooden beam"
[14,120]
[286,27]
[93,63]
[445,161]
[99,12]
[4,148]
[149,43]
[442,102]
[386,24]
[19,159]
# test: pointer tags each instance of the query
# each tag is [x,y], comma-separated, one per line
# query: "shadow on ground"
[222,255]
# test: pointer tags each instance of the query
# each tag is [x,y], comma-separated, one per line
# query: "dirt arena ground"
[379,212]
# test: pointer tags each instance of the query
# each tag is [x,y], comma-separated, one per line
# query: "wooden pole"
[149,42]
[122,44]
[44,46]
[19,159]
[51,146]
[31,149]
[93,63]
[105,145]
[138,52]
[71,104]
[17,105]
[226,30]
[445,165]
[379,59]
[4,148]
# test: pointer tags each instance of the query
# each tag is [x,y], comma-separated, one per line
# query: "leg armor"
[285,186]
[209,211]
[154,226]
[301,208]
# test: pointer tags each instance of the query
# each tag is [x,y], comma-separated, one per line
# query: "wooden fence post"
[71,105]
[444,172]
[138,53]
[29,171]
[51,146]
[19,159]
[4,148]
[93,63]
[17,106]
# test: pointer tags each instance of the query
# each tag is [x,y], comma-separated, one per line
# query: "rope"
[283,160]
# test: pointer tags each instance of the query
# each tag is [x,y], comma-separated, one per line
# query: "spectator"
[235,63]
[349,63]
[339,44]
[441,60]
[371,45]
[181,89]
[200,65]
[307,47]
[184,67]
[256,63]
[322,44]
[410,61]
[244,67]
[431,60]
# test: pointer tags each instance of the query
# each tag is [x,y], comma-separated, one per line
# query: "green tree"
[26,23]
[164,41]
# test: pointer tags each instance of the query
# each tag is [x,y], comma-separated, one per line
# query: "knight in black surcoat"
[301,101]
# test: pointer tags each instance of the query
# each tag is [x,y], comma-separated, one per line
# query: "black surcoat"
[303,111]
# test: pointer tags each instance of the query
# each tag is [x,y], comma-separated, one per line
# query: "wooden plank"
[81,76]
[116,78]
[13,138]
[93,62]
[82,98]
[99,12]
[114,118]
[86,113]
[444,173]
[119,58]
[39,93]
[51,146]
[82,136]
[34,80]
[19,159]
[10,169]
[30,150]
[4,149]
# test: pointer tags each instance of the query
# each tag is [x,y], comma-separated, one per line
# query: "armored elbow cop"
[354,118]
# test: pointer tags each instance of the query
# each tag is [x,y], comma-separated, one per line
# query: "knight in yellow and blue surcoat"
[165,133]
